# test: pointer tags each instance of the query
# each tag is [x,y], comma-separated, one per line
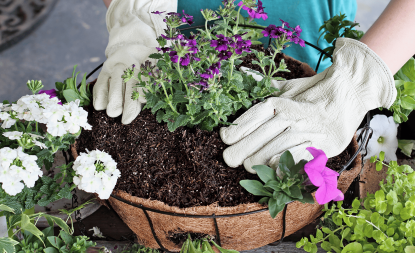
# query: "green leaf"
[325,245]
[392,198]
[356,204]
[62,224]
[408,103]
[379,166]
[181,120]
[274,209]
[295,192]
[51,250]
[222,250]
[160,104]
[381,156]
[307,198]
[410,249]
[6,208]
[255,187]
[298,167]
[67,238]
[71,95]
[155,56]
[397,208]
[287,159]
[7,244]
[263,200]
[282,199]
[26,225]
[353,247]
[406,146]
[275,185]
[265,173]
[55,241]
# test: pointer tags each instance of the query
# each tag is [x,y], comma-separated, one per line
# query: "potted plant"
[193,88]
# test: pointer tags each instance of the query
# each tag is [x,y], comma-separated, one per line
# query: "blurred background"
[54,35]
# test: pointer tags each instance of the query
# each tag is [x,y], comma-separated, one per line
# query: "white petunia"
[56,128]
[7,123]
[13,135]
[383,138]
[89,179]
[13,187]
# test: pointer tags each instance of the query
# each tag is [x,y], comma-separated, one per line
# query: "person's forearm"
[392,36]
[107,3]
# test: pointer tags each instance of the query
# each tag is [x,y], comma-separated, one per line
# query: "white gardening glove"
[133,30]
[322,111]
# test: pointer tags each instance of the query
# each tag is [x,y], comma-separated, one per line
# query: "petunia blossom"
[322,177]
[383,138]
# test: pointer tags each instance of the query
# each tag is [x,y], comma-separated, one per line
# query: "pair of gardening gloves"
[322,111]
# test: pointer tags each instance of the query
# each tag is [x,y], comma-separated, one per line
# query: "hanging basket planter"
[242,227]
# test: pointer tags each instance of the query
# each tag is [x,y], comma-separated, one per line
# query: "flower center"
[381,139]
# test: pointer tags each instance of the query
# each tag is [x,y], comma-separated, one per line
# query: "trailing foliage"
[282,188]
[384,223]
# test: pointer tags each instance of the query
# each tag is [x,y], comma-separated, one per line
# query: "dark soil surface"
[184,168]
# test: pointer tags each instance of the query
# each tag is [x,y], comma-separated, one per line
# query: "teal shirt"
[309,14]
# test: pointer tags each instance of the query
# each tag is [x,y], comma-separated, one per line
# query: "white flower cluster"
[17,166]
[59,119]
[96,172]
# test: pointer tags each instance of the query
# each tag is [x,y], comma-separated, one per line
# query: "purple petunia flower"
[285,23]
[243,6]
[241,45]
[187,18]
[224,55]
[221,44]
[52,93]
[258,13]
[215,67]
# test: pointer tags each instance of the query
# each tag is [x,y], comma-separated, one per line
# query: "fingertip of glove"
[248,166]
[114,112]
[223,132]
[230,158]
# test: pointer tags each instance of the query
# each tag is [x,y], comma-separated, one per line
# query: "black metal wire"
[152,230]
[216,230]
[91,73]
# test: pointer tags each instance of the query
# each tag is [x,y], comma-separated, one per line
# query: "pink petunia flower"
[322,177]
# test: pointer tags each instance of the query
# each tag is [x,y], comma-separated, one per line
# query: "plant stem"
[235,30]
[181,75]
[207,30]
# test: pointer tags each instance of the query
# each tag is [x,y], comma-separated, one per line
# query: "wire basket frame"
[363,139]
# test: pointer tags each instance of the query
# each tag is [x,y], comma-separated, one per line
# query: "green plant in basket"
[195,81]
[279,188]
[337,27]
[384,223]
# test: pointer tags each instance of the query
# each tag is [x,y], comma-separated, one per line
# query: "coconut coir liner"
[239,233]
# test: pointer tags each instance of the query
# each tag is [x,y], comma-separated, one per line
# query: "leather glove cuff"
[374,81]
